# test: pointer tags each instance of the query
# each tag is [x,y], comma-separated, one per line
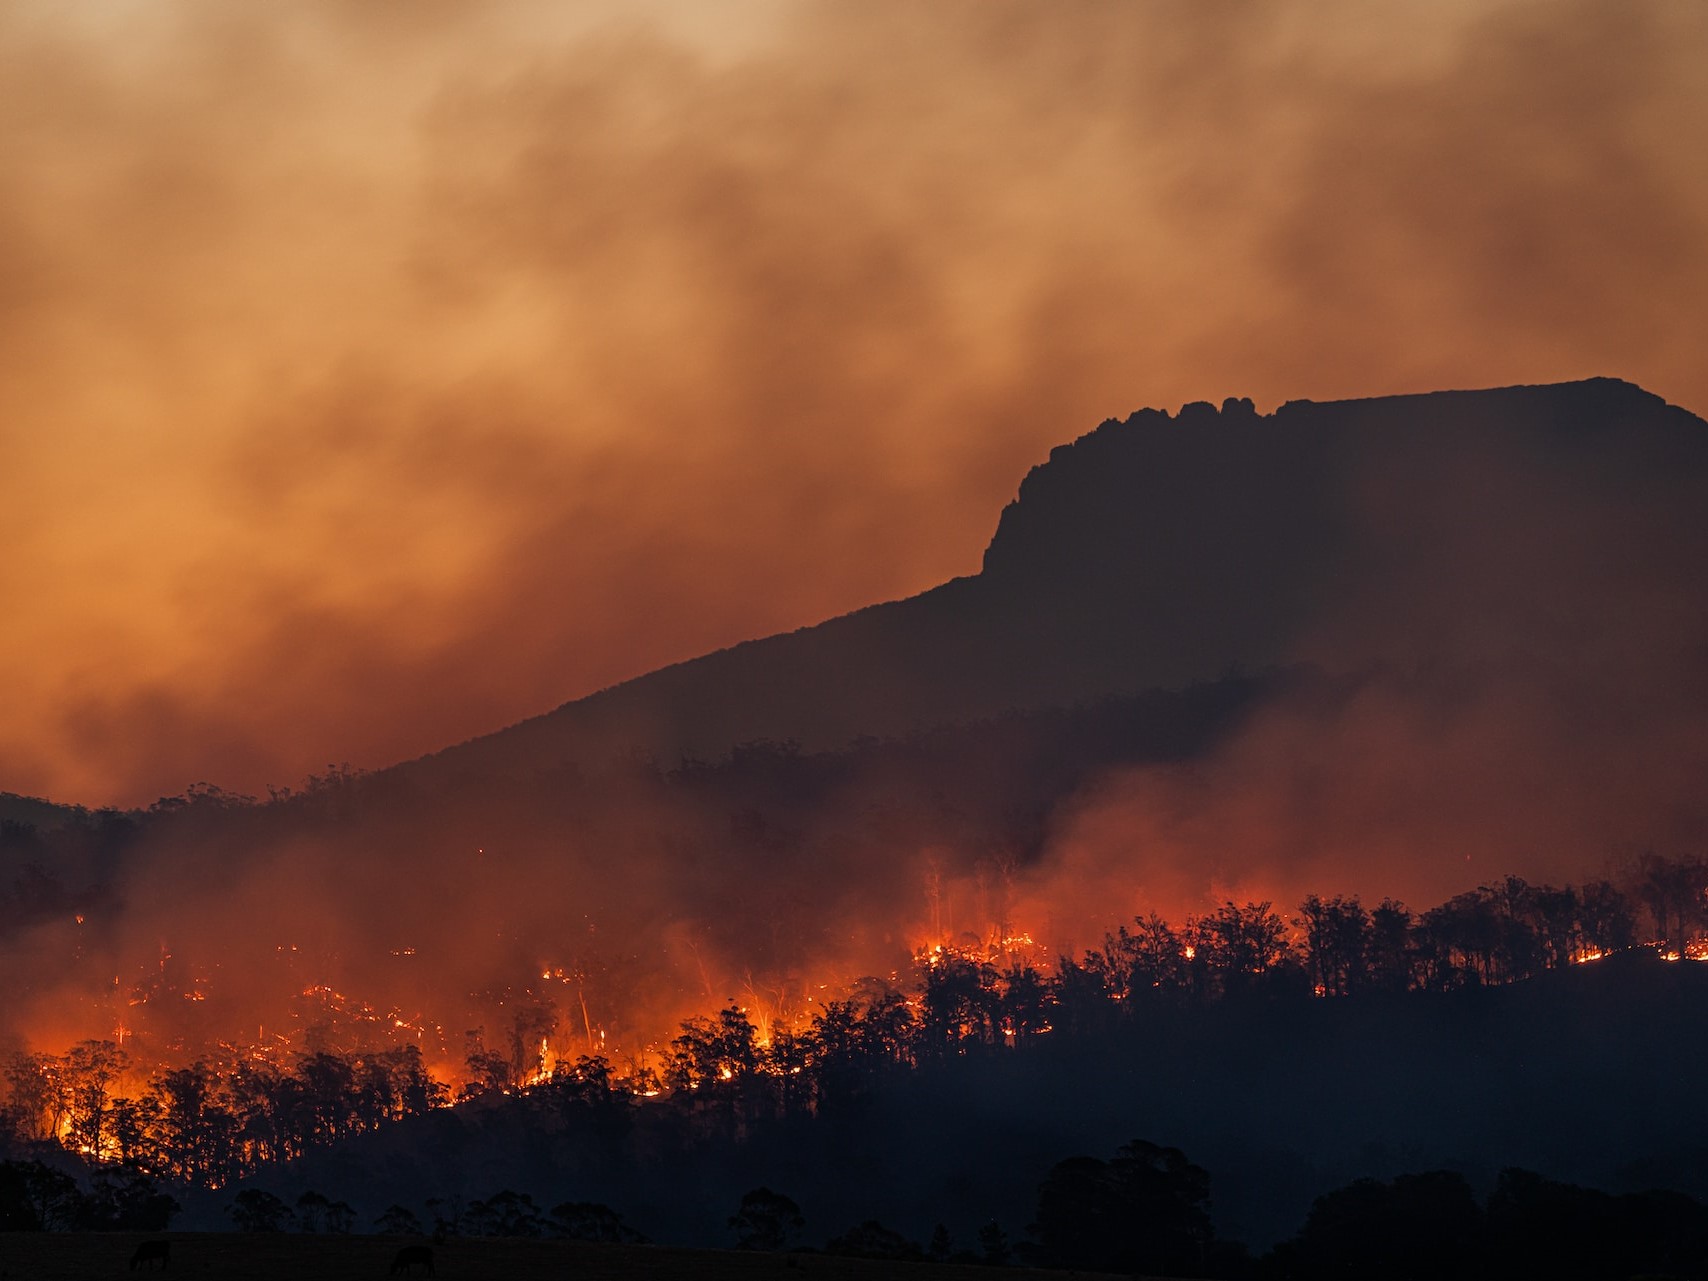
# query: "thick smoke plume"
[1498,666]
[371,379]
[1517,639]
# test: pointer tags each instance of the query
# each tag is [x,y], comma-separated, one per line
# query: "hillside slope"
[1158,550]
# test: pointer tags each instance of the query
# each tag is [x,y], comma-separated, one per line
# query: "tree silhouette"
[1606,920]
[36,1097]
[1147,1210]
[710,1051]
[1675,890]
[125,1200]
[37,1198]
[488,1071]
[503,1214]
[1236,945]
[942,1246]
[1389,950]
[254,1210]
[90,1068]
[591,1221]
[197,1135]
[1025,1004]
[993,1245]
[318,1213]
[872,1240]
[1337,943]
[765,1220]
[1418,1228]
[960,1000]
[398,1221]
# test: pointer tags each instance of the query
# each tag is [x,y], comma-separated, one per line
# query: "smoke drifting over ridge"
[1499,593]
[369,381]
[1518,624]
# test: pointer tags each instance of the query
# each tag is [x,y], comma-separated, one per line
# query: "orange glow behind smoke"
[328,1019]
[371,379]
[531,351]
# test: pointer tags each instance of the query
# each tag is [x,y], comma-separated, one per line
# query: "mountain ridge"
[1150,552]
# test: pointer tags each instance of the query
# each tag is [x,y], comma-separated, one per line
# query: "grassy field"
[49,1256]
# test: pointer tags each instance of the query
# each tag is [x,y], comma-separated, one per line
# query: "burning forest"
[1104,797]
[803,729]
[206,1068]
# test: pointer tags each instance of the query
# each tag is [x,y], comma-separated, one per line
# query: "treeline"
[1143,1210]
[505,1213]
[964,1000]
[218,1121]
[1431,1225]
[210,1123]
[37,1197]
[1146,1210]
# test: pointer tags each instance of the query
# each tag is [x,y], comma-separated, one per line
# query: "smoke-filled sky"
[374,376]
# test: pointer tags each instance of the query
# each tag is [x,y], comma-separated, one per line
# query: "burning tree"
[1676,893]
[90,1069]
[1235,946]
[1337,943]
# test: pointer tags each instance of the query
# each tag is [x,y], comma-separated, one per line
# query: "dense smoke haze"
[1476,649]
[370,379]
[543,542]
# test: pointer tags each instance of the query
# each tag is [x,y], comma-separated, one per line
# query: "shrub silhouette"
[1144,1211]
[765,1220]
[256,1211]
[872,1240]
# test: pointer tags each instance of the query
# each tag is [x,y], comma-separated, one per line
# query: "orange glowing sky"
[374,376]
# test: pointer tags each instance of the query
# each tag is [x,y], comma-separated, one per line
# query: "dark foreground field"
[54,1256]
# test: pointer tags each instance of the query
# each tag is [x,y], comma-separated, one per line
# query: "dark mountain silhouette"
[35,812]
[1390,647]
[1466,527]
[1398,646]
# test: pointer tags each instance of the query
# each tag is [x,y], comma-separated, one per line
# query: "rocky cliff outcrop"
[1560,523]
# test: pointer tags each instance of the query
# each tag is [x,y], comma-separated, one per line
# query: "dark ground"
[54,1256]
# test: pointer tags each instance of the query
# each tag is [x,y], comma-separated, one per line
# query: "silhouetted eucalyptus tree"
[960,1000]
[90,1069]
[591,1221]
[765,1220]
[1147,1210]
[1675,890]
[1337,943]
[1420,1227]
[1390,954]
[256,1210]
[1235,946]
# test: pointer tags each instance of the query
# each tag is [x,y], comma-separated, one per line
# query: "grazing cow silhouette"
[409,1256]
[148,1252]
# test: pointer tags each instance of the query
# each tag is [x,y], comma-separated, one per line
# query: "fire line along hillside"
[1389,647]
[958,887]
[1399,646]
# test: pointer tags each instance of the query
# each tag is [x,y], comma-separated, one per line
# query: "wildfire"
[542,1028]
[1694,950]
[545,1065]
